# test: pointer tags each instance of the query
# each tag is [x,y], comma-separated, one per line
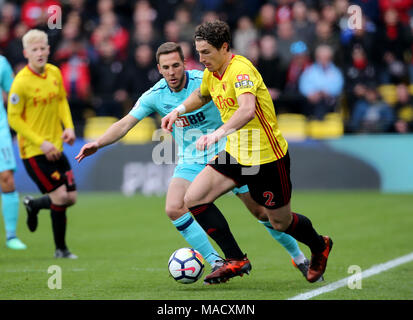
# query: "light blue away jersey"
[189,126]
[6,79]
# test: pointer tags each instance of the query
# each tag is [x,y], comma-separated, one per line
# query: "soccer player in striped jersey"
[9,194]
[37,109]
[176,86]
[256,153]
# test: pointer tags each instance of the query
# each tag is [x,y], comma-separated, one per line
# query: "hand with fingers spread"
[87,150]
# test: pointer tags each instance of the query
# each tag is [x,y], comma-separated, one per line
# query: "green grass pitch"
[124,243]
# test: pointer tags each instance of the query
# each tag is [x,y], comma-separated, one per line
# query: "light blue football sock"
[10,209]
[287,241]
[196,237]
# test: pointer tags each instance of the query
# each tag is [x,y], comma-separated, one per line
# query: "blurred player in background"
[257,155]
[174,88]
[9,195]
[37,110]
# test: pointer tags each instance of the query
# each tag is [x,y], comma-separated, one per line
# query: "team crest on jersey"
[55,175]
[243,81]
[14,98]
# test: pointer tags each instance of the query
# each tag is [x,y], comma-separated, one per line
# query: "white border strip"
[365,274]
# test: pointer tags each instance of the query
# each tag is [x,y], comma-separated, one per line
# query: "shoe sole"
[245,269]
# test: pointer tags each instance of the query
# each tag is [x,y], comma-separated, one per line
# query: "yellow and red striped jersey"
[37,109]
[260,140]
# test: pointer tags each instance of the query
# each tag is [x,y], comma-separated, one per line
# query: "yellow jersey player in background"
[37,109]
[256,153]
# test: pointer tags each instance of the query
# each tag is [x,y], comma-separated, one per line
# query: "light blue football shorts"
[7,160]
[190,171]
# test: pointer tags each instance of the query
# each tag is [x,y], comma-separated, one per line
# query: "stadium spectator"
[394,39]
[371,114]
[303,28]
[110,30]
[9,14]
[171,31]
[321,84]
[325,36]
[266,19]
[186,25]
[291,99]
[402,8]
[364,37]
[270,66]
[283,11]
[358,74]
[14,50]
[76,80]
[190,62]
[106,74]
[143,33]
[137,76]
[285,38]
[244,35]
[404,109]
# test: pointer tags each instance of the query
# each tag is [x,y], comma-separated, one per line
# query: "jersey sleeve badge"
[14,98]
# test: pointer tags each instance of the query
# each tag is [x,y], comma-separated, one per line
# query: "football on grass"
[186,265]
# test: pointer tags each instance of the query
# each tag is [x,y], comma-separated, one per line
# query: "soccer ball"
[186,265]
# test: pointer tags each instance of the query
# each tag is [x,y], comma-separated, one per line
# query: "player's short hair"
[216,33]
[169,47]
[33,36]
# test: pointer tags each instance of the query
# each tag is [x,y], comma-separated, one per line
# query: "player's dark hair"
[216,33]
[169,47]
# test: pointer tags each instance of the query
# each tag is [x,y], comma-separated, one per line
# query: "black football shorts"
[269,184]
[49,175]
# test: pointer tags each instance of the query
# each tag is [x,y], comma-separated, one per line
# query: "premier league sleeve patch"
[243,82]
[14,98]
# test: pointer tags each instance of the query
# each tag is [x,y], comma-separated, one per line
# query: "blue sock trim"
[182,219]
[185,225]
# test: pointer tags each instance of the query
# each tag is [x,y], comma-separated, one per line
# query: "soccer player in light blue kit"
[161,98]
[9,195]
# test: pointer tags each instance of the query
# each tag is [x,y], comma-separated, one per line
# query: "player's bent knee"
[174,212]
[71,198]
[7,181]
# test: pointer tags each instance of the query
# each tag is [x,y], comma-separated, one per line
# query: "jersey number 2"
[269,195]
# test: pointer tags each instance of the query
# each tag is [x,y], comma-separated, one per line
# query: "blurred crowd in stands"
[312,59]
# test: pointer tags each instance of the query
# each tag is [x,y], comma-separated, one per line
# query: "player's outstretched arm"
[194,101]
[115,132]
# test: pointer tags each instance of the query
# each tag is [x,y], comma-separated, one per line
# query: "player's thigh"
[175,206]
[71,197]
[7,181]
[255,208]
[60,196]
[207,186]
